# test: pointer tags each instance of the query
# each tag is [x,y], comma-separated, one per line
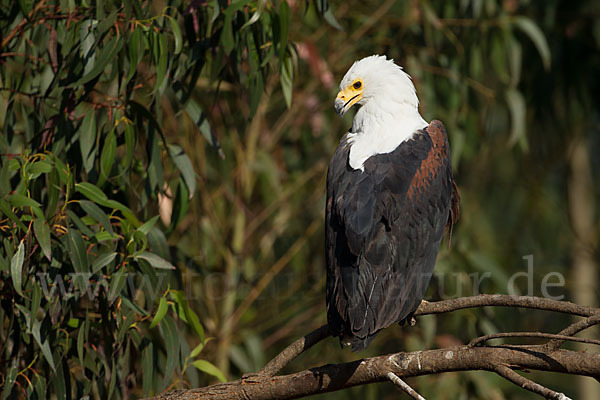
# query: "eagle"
[390,197]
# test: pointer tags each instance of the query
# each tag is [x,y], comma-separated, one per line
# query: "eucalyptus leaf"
[16,268]
[42,233]
[210,369]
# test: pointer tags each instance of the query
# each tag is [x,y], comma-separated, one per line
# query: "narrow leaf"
[171,336]
[156,261]
[210,369]
[87,138]
[533,31]
[197,350]
[16,268]
[176,34]
[9,381]
[107,55]
[91,191]
[96,212]
[284,22]
[517,107]
[148,225]
[42,233]
[183,163]
[160,312]
[107,158]
[77,251]
[45,346]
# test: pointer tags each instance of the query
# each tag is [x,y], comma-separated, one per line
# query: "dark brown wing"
[384,226]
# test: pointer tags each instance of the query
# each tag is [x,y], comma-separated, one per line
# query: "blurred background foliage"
[139,137]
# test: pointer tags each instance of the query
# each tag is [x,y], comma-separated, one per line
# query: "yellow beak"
[347,98]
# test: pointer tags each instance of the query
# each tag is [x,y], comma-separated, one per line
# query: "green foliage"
[90,94]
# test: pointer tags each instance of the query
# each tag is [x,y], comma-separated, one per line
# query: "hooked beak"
[345,99]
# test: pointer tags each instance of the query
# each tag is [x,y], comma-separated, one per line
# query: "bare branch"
[404,386]
[561,338]
[527,384]
[573,329]
[329,378]
[548,357]
[482,300]
[438,307]
[294,350]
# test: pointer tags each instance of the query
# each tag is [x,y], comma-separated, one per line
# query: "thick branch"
[330,378]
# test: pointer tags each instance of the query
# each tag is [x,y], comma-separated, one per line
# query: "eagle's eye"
[357,85]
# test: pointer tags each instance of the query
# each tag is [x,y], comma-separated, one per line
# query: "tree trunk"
[584,270]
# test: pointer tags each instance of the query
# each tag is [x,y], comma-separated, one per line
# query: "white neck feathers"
[377,129]
[389,112]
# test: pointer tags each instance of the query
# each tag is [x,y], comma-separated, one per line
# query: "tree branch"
[483,300]
[404,386]
[294,350]
[557,337]
[438,307]
[328,378]
[528,384]
[573,329]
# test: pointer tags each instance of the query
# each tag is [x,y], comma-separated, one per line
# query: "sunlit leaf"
[259,9]
[91,191]
[518,108]
[176,34]
[183,163]
[532,30]
[197,350]
[108,53]
[156,261]
[210,369]
[331,20]
[16,268]
[161,311]
[148,225]
[287,76]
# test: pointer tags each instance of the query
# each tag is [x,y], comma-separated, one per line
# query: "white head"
[389,112]
[379,82]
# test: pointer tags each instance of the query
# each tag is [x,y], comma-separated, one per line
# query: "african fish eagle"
[390,196]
